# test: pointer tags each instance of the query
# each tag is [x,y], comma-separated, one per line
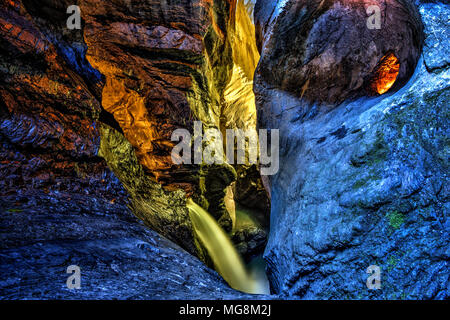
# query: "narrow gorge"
[88,118]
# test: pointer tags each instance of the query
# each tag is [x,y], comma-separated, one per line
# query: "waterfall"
[226,259]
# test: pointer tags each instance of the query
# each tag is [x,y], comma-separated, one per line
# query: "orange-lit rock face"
[165,66]
[49,134]
[385,74]
[148,65]
[45,91]
[324,52]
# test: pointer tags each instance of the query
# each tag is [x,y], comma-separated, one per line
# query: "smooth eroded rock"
[363,184]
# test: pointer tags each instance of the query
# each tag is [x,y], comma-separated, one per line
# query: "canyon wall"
[49,107]
[363,176]
[78,104]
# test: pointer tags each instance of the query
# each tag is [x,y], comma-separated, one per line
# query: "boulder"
[363,178]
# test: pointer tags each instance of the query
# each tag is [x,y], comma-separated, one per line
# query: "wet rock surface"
[365,184]
[166,66]
[323,51]
[138,69]
[437,53]
[362,182]
[49,108]
[42,234]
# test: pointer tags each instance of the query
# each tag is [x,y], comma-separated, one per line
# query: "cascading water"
[239,111]
[222,252]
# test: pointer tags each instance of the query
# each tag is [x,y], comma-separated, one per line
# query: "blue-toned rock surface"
[437,47]
[364,184]
[43,234]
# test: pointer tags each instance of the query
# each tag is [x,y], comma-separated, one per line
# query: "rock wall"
[49,107]
[363,177]
[165,67]
[363,182]
[115,90]
[119,258]
[323,51]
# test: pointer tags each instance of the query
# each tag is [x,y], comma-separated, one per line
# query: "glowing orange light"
[385,74]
